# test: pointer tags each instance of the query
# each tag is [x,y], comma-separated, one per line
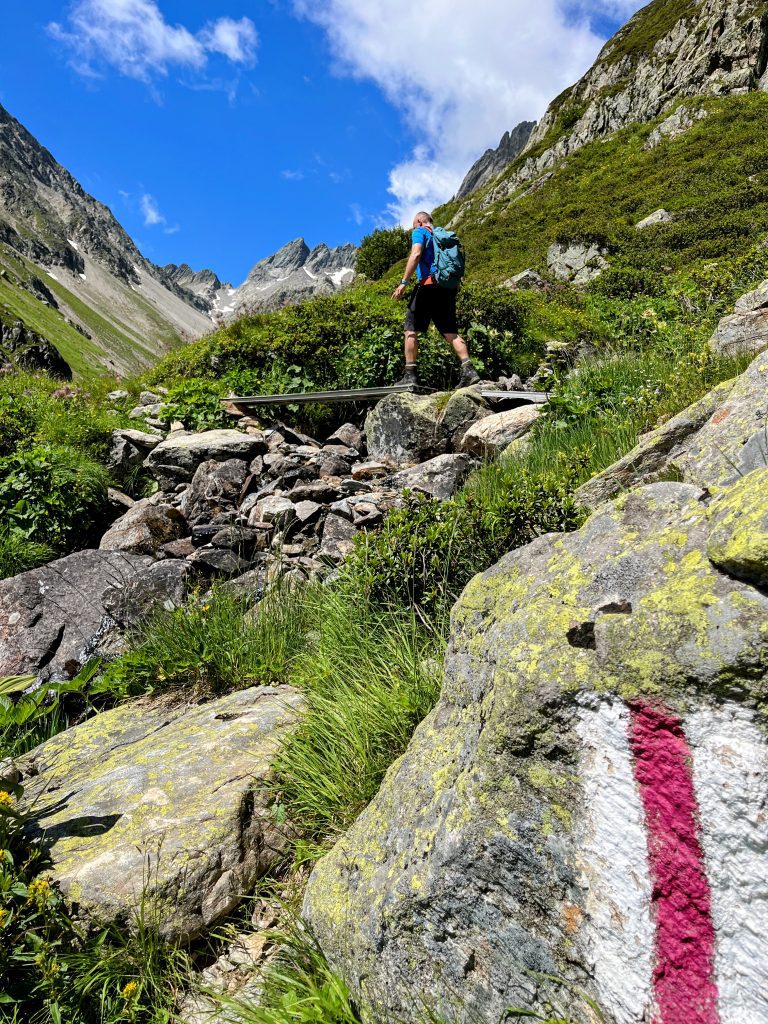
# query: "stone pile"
[243,506]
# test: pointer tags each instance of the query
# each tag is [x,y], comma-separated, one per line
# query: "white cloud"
[357,213]
[151,211]
[134,37]
[293,175]
[461,73]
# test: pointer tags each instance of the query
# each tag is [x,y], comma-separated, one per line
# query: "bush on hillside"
[380,250]
[52,495]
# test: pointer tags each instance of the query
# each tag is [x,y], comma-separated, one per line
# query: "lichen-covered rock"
[711,443]
[586,801]
[738,541]
[657,217]
[441,477]
[165,804]
[491,435]
[746,329]
[144,528]
[175,460]
[407,428]
[48,616]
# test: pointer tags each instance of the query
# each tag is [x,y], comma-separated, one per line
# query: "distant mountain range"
[69,273]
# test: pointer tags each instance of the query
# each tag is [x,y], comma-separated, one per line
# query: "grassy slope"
[88,357]
[714,178]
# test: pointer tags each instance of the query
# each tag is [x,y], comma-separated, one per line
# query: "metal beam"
[373,395]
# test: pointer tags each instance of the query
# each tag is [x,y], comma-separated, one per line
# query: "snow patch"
[83,277]
[343,276]
[50,273]
[74,244]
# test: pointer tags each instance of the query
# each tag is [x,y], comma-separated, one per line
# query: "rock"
[738,539]
[441,477]
[753,300]
[711,443]
[128,449]
[23,348]
[275,509]
[746,329]
[177,457]
[320,491]
[526,279]
[337,540]
[407,428]
[145,528]
[493,161]
[657,217]
[578,262]
[491,435]
[177,548]
[167,800]
[293,274]
[48,616]
[118,501]
[250,585]
[118,396]
[348,435]
[676,124]
[370,470]
[147,412]
[161,585]
[219,562]
[307,511]
[216,487]
[599,715]
[330,466]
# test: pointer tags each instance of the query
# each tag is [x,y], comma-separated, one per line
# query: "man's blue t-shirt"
[422,236]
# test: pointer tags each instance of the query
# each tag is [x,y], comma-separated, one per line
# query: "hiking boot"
[469,375]
[410,378]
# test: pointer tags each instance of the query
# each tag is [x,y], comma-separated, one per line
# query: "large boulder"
[491,435]
[746,329]
[49,616]
[718,439]
[406,428]
[144,528]
[128,449]
[167,805]
[587,800]
[441,477]
[175,460]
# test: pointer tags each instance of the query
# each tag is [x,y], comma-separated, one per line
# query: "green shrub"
[379,250]
[52,495]
[428,550]
[627,282]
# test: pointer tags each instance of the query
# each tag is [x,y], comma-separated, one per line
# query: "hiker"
[432,301]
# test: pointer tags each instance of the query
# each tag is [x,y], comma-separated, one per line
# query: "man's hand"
[399,292]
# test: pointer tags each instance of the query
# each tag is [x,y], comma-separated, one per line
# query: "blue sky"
[218,131]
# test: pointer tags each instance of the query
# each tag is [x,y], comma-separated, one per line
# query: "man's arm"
[413,261]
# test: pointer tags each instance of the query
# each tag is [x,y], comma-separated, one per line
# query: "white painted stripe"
[730,774]
[613,862]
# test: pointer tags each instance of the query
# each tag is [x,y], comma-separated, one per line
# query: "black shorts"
[431,303]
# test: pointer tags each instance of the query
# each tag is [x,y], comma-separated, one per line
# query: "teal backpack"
[449,258]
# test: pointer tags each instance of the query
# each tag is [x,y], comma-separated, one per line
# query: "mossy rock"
[738,541]
[162,809]
[508,842]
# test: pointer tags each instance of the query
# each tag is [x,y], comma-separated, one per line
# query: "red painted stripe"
[683,977]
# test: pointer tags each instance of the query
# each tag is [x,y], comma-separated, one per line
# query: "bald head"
[421,219]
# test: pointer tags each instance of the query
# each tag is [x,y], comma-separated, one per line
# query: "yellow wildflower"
[5,798]
[129,991]
[3,916]
[39,892]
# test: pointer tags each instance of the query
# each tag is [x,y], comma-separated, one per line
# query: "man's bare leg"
[469,374]
[411,347]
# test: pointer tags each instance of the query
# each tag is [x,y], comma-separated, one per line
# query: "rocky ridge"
[79,245]
[292,274]
[666,52]
[493,161]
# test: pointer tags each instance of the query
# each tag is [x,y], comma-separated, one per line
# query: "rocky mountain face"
[294,273]
[666,52]
[49,222]
[201,288]
[493,161]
